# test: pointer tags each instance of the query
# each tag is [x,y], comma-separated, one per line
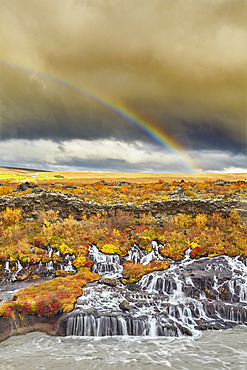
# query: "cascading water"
[7,266]
[190,296]
[137,255]
[18,271]
[105,263]
[18,266]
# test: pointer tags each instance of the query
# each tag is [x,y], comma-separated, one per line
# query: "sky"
[125,86]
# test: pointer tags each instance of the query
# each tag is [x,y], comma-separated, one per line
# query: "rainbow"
[146,126]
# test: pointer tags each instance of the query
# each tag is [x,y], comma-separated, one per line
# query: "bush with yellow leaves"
[234,217]
[201,220]
[11,216]
[183,220]
[6,190]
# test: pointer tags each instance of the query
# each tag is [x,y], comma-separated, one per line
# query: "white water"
[7,266]
[11,274]
[164,303]
[105,264]
[213,350]
[138,255]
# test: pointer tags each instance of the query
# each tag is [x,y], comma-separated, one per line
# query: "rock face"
[65,205]
[192,295]
[23,323]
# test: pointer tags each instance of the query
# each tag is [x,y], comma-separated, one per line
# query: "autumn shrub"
[12,234]
[146,219]
[47,232]
[234,217]
[110,249]
[175,245]
[134,272]
[201,220]
[217,220]
[53,297]
[182,220]
[50,216]
[11,216]
[38,243]
[119,219]
[6,190]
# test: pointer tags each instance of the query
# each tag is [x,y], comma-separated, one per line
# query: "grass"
[90,177]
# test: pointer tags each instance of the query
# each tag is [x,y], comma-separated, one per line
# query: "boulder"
[124,305]
[109,281]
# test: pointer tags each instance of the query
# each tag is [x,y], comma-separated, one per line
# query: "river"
[225,349]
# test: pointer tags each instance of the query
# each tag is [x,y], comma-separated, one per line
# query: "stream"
[224,349]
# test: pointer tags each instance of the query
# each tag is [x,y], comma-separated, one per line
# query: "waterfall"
[137,255]
[49,266]
[7,266]
[105,264]
[89,325]
[190,296]
[67,264]
[49,251]
[18,266]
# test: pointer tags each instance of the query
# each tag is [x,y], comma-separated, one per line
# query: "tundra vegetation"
[28,241]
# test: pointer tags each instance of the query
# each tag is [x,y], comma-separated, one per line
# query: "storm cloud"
[178,64]
[111,155]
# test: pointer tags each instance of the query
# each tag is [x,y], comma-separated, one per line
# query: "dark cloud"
[208,136]
[178,64]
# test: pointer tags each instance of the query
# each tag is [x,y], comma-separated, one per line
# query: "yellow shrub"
[193,245]
[11,216]
[110,249]
[116,233]
[183,220]
[201,220]
[64,249]
[5,190]
[234,217]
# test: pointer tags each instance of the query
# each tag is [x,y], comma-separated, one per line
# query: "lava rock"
[124,305]
[24,186]
[109,281]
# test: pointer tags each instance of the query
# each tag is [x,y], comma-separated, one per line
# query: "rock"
[109,281]
[238,272]
[223,294]
[124,305]
[178,194]
[24,186]
[42,199]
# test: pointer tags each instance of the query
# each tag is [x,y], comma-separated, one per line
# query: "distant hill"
[4,169]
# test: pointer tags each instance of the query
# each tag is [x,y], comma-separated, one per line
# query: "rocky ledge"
[66,205]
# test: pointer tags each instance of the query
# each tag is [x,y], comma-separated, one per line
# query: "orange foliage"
[134,272]
[50,298]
